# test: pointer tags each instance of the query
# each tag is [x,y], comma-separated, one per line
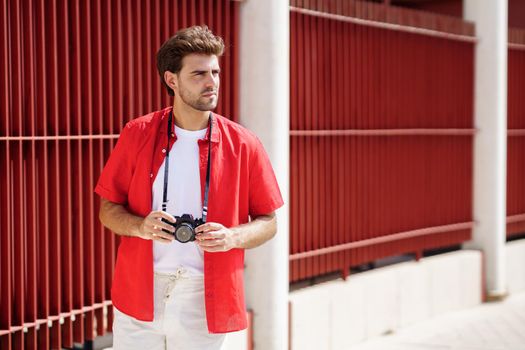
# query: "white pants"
[179,318]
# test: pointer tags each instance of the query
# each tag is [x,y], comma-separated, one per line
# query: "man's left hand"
[214,237]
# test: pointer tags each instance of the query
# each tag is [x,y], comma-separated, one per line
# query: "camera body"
[185,226]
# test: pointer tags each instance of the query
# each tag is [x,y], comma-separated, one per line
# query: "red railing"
[516,133]
[381,134]
[73,72]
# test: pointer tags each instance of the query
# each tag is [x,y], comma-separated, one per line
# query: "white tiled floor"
[490,326]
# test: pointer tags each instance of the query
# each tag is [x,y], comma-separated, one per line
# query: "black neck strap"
[166,170]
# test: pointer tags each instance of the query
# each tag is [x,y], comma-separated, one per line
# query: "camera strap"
[166,170]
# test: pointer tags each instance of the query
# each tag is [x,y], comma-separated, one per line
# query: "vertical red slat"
[340,159]
[209,13]
[359,165]
[334,149]
[5,182]
[221,8]
[169,28]
[155,43]
[78,246]
[43,280]
[326,118]
[310,184]
[129,82]
[148,52]
[55,290]
[119,63]
[298,144]
[99,97]
[64,197]
[292,161]
[108,237]
[332,107]
[510,119]
[317,146]
[99,242]
[294,141]
[345,200]
[225,31]
[98,110]
[183,23]
[350,194]
[301,110]
[5,259]
[192,14]
[77,170]
[138,71]
[16,189]
[30,200]
[87,158]
[235,101]
[515,142]
[4,66]
[89,254]
[200,12]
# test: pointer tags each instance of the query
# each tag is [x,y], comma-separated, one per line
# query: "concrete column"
[264,97]
[490,146]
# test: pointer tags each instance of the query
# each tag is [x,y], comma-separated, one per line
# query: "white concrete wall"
[515,252]
[338,314]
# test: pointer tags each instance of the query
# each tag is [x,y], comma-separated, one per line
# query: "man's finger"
[209,226]
[212,235]
[163,215]
[157,232]
[159,226]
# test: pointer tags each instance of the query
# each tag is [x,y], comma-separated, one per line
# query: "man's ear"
[171,80]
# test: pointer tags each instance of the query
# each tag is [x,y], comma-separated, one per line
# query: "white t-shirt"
[184,197]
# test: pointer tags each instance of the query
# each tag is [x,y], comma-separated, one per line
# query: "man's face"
[198,81]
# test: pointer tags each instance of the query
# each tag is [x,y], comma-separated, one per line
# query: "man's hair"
[196,39]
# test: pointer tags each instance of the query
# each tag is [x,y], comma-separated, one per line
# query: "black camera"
[185,226]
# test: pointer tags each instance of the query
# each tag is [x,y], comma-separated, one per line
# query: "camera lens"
[184,232]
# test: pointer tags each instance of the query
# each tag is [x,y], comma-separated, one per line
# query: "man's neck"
[188,118]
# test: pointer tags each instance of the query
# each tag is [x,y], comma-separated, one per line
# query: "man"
[168,294]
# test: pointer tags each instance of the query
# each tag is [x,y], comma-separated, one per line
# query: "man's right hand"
[152,226]
[119,220]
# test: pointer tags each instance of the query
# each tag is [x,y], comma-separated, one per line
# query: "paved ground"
[491,326]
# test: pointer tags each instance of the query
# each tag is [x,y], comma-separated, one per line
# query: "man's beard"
[199,103]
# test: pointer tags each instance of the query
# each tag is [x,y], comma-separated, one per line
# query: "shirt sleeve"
[113,183]
[264,194]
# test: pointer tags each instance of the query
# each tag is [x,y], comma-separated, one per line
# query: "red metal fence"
[381,133]
[73,72]
[516,133]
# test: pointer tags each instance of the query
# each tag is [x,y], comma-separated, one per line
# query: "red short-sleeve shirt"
[242,184]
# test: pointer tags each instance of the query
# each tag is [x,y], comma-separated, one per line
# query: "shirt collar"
[216,133]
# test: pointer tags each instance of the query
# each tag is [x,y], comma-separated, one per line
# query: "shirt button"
[151,175]
[163,150]
[172,134]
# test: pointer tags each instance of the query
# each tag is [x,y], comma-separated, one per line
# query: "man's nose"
[211,80]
